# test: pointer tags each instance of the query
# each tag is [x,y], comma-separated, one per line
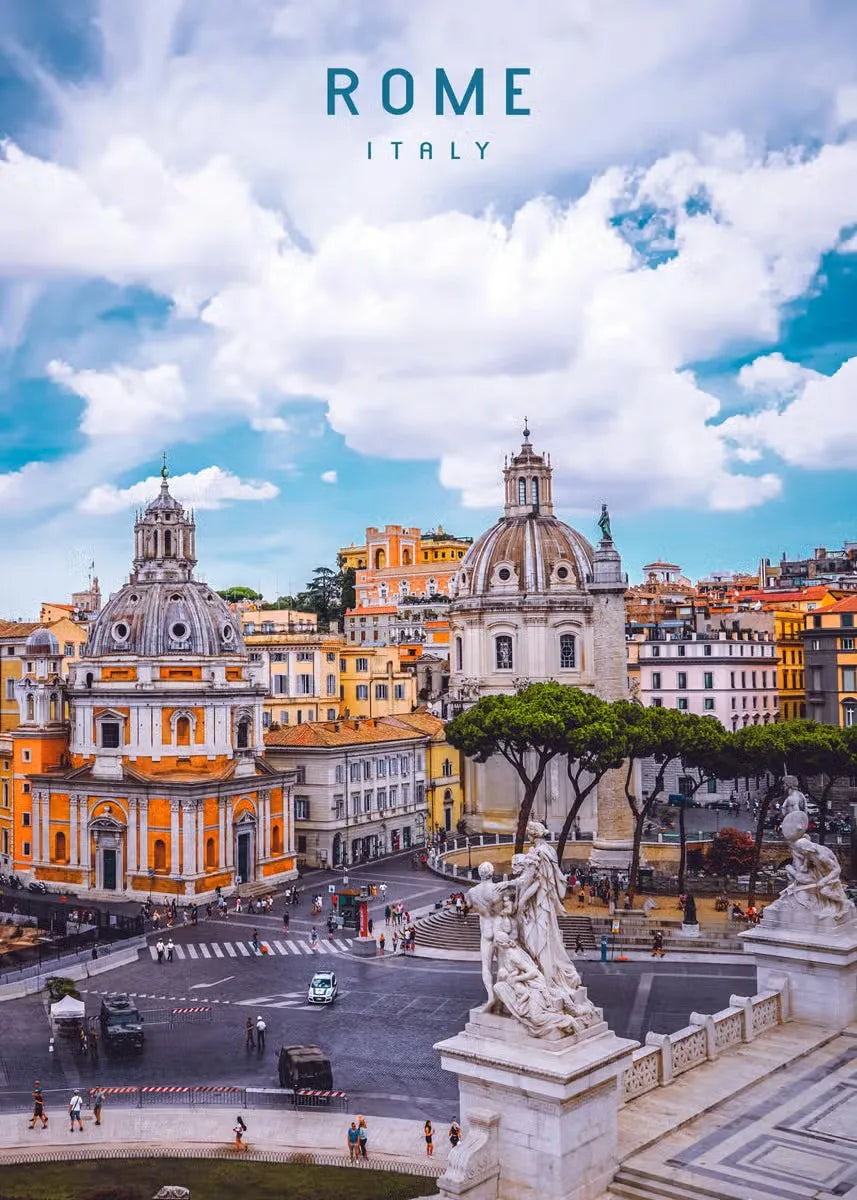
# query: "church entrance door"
[109,870]
[245,858]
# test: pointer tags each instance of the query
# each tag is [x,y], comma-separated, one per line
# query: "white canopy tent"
[68,1009]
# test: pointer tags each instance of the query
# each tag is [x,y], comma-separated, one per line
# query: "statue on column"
[604,524]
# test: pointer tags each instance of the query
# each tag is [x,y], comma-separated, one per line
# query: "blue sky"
[658,266]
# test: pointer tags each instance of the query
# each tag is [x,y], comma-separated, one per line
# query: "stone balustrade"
[665,1056]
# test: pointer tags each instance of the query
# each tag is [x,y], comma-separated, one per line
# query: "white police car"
[323,988]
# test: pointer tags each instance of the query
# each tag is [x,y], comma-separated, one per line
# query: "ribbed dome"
[42,644]
[525,554]
[150,619]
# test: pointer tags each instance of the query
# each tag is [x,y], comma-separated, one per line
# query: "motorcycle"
[15,882]
[36,885]
[4,879]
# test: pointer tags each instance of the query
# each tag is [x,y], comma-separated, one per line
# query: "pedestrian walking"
[159,948]
[578,945]
[657,944]
[260,1034]
[250,1038]
[97,1102]
[239,1129]
[170,950]
[39,1113]
[93,1040]
[75,1111]
[362,1136]
[353,1141]
[454,1133]
[395,941]
[381,943]
[383,891]
[313,940]
[371,926]
[427,1129]
[84,1044]
[285,922]
[255,941]
[387,915]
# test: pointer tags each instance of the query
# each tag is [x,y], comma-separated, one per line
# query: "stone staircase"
[635,933]
[631,1183]
[444,930]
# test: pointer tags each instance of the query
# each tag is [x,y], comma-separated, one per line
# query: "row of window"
[766,650]
[708,703]
[305,685]
[504,658]
[362,768]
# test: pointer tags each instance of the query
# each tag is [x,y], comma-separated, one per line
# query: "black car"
[304,1067]
[121,1024]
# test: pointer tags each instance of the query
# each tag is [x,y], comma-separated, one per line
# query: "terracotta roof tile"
[848,604]
[361,732]
[18,628]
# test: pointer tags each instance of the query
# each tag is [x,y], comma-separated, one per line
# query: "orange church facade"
[144,772]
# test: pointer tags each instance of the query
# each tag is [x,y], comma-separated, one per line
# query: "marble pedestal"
[689,931]
[364,947]
[539,1117]
[820,963]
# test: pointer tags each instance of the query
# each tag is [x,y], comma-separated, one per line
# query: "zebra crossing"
[273,947]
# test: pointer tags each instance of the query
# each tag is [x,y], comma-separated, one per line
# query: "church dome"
[525,555]
[529,550]
[163,609]
[151,619]
[42,644]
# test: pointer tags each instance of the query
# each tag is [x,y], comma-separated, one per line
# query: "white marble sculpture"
[814,896]
[537,982]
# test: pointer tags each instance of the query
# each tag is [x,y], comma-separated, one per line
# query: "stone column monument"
[538,1068]
[809,935]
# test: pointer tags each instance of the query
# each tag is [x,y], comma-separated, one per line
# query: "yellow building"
[444,791]
[790,610]
[830,652]
[71,636]
[6,793]
[373,682]
[301,674]
[278,620]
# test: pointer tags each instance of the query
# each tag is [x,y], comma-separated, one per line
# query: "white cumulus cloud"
[328,477]
[212,487]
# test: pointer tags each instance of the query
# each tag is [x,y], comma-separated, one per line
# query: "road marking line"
[180,952]
[243,949]
[230,949]
[204,949]
[218,953]
[306,949]
[153,953]
[280,948]
[293,946]
[342,945]
[192,952]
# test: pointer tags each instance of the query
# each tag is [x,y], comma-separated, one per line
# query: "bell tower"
[529,485]
[164,539]
[40,691]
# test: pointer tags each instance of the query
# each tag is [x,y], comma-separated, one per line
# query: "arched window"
[522,491]
[31,709]
[59,847]
[89,679]
[447,797]
[183,731]
[276,840]
[380,560]
[406,558]
[209,852]
[242,740]
[160,856]
[155,543]
[535,491]
[849,713]
[567,660]
[54,712]
[168,542]
[459,654]
[503,652]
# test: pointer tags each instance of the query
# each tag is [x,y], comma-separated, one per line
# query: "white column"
[131,836]
[73,825]
[188,839]
[264,824]
[143,821]
[84,835]
[221,819]
[46,826]
[35,818]
[230,839]
[174,837]
[200,836]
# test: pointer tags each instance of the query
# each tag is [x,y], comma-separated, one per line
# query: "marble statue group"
[536,982]
[814,892]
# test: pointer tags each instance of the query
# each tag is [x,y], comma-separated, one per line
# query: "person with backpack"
[97,1102]
[454,1133]
[75,1111]
[239,1130]
[38,1107]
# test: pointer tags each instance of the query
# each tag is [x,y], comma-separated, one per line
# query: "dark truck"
[304,1067]
[121,1024]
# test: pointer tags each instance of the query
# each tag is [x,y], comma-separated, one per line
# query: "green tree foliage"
[233,595]
[731,853]
[593,745]
[527,729]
